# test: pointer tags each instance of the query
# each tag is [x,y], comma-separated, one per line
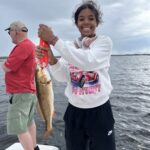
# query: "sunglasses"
[10,31]
[24,29]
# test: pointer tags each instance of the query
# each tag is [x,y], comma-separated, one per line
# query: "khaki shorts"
[20,112]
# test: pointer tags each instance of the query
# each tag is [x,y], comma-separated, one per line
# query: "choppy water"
[130,102]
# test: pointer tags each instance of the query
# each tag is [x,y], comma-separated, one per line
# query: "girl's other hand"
[38,52]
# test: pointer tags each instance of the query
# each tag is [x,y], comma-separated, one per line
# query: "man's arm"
[6,69]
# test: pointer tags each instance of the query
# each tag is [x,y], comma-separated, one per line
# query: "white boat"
[17,146]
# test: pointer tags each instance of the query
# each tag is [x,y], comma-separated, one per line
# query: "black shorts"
[89,129]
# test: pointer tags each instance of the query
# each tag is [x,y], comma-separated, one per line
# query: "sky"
[127,22]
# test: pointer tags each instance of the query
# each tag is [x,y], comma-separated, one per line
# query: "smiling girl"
[84,64]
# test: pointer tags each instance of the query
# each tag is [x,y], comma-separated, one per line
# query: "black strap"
[10,100]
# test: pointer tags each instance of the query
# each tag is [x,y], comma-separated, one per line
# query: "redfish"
[45,97]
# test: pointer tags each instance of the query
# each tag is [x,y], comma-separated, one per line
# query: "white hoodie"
[85,69]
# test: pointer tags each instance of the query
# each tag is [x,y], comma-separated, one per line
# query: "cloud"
[128,25]
[126,22]
[138,24]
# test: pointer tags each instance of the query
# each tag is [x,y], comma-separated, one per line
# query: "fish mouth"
[45,83]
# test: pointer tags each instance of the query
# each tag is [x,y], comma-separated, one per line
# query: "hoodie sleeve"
[97,56]
[60,71]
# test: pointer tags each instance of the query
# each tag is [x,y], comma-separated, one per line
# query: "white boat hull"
[17,146]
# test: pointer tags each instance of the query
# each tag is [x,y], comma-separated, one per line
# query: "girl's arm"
[96,57]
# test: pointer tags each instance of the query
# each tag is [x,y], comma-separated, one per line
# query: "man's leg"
[31,122]
[26,140]
[32,132]
[20,119]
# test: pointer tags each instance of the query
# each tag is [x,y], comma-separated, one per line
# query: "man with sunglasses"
[19,70]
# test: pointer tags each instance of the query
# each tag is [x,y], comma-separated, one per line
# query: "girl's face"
[86,23]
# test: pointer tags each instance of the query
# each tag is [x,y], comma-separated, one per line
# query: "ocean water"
[130,101]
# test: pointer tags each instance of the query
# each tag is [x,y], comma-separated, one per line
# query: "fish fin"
[54,114]
[40,111]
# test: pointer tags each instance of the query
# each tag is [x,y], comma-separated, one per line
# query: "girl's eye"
[91,18]
[81,19]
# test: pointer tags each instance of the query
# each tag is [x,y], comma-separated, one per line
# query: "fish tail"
[48,133]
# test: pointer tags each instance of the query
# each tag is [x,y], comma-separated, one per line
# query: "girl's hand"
[38,52]
[46,34]
[51,58]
